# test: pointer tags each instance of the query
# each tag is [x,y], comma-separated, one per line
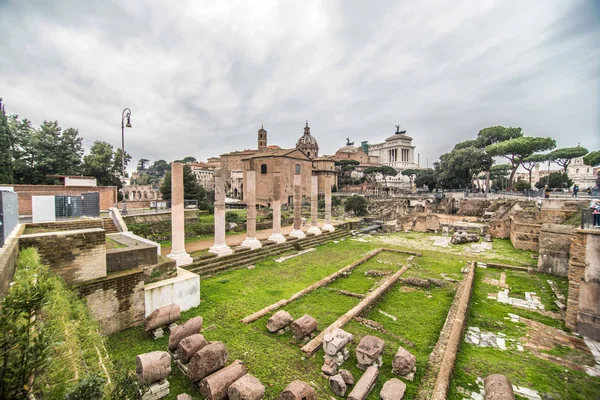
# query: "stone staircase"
[109,226]
[210,265]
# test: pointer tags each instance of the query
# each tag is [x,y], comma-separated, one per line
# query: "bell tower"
[262,139]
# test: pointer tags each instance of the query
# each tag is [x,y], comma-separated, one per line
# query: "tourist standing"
[575,190]
[589,191]
[595,207]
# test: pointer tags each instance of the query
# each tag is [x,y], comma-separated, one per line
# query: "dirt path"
[232,240]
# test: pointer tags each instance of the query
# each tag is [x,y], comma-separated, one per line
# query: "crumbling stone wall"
[76,256]
[130,257]
[583,304]
[524,235]
[8,261]
[117,300]
[554,245]
[473,207]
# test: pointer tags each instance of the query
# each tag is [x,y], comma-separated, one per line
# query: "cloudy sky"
[200,77]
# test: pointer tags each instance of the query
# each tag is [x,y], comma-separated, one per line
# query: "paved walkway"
[232,240]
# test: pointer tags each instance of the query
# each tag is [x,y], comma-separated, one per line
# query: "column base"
[220,250]
[327,228]
[297,233]
[252,243]
[277,238]
[314,230]
[181,258]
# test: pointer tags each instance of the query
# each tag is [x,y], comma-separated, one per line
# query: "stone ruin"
[498,387]
[303,327]
[166,316]
[340,382]
[460,237]
[189,346]
[216,385]
[365,384]
[368,352]
[180,332]
[404,364]
[246,388]
[152,370]
[334,346]
[280,321]
[393,390]
[298,390]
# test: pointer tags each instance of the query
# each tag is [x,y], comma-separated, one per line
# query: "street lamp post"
[126,114]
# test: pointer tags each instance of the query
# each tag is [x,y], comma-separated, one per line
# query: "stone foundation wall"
[68,225]
[130,257]
[524,236]
[8,260]
[117,300]
[77,256]
[576,275]
[473,207]
[554,245]
[500,228]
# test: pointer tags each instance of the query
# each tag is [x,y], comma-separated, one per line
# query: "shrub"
[356,204]
[522,185]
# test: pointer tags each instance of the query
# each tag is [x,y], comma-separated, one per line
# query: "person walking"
[589,191]
[575,191]
[595,207]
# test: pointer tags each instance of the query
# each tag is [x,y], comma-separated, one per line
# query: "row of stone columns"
[220,247]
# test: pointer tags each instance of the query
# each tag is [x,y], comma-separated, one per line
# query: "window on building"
[297,168]
[577,170]
[263,169]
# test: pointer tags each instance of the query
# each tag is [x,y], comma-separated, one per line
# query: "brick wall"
[130,257]
[68,225]
[554,245]
[117,300]
[108,194]
[473,207]
[76,256]
[576,275]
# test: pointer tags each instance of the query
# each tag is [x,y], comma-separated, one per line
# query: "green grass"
[277,359]
[113,244]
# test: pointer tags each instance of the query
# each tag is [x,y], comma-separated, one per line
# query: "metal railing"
[160,206]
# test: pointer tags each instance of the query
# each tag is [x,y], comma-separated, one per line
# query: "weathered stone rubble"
[393,390]
[162,317]
[184,396]
[152,367]
[298,390]
[347,376]
[191,327]
[460,237]
[365,384]
[215,386]
[329,367]
[404,364]
[246,388]
[206,361]
[189,346]
[334,345]
[279,320]
[368,352]
[337,385]
[303,326]
[498,387]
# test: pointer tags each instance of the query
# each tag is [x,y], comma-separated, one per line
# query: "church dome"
[349,149]
[307,138]
[308,144]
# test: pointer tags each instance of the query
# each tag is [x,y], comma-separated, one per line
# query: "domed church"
[308,144]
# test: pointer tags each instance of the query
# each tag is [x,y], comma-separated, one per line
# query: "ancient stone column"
[250,197]
[327,227]
[276,235]
[220,247]
[314,204]
[178,218]
[297,232]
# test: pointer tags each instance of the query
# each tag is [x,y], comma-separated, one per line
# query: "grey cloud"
[201,76]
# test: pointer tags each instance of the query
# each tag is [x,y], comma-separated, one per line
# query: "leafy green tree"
[462,166]
[104,163]
[521,185]
[499,174]
[556,180]
[157,170]
[24,153]
[6,148]
[592,159]
[191,188]
[426,178]
[357,204]
[185,160]
[530,162]
[496,134]
[410,172]
[141,167]
[514,150]
[384,170]
[563,156]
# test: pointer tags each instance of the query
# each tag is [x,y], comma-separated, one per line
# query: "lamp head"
[128,125]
